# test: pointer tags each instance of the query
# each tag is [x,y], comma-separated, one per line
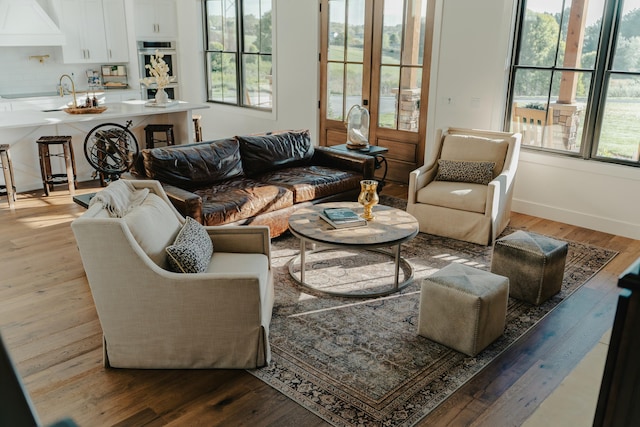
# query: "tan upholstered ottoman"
[533,263]
[463,308]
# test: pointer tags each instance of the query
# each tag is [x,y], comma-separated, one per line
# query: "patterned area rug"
[356,361]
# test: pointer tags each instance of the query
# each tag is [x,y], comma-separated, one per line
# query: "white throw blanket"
[120,197]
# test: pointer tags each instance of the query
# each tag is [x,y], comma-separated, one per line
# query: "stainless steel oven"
[168,49]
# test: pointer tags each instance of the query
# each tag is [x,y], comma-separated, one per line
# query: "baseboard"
[592,222]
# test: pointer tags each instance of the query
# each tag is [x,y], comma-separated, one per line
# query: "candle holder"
[368,197]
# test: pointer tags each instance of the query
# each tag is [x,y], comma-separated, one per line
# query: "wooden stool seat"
[151,130]
[8,188]
[49,179]
[197,127]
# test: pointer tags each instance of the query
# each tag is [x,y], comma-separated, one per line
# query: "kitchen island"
[22,128]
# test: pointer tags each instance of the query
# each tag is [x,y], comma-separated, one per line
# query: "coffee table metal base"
[394,287]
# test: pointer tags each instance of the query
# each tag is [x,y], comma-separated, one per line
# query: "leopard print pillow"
[460,171]
[191,251]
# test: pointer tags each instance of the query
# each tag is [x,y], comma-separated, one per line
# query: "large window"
[575,78]
[238,52]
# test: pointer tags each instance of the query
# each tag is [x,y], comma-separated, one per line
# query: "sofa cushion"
[191,251]
[263,153]
[154,226]
[475,148]
[458,171]
[313,182]
[241,198]
[454,195]
[194,165]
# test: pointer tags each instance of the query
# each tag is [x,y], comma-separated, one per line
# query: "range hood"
[25,23]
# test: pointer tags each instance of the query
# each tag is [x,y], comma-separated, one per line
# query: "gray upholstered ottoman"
[463,308]
[533,263]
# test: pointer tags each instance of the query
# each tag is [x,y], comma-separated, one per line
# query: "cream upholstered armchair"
[464,191]
[155,318]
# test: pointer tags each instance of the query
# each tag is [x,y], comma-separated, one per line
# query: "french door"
[377,54]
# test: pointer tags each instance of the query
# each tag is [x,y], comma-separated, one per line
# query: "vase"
[368,197]
[161,96]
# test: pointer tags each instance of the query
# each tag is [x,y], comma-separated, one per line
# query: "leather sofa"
[254,179]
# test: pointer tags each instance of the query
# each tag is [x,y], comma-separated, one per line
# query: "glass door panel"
[376,53]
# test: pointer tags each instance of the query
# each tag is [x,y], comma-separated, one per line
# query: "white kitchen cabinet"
[155,19]
[115,30]
[83,24]
[96,30]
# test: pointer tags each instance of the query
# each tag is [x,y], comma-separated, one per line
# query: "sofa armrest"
[361,163]
[241,239]
[186,202]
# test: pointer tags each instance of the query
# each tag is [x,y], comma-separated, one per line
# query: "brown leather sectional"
[255,179]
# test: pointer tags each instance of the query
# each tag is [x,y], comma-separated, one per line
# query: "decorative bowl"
[85,110]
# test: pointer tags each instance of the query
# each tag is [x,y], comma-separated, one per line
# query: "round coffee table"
[390,228]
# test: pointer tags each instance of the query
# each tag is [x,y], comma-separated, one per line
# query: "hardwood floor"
[49,323]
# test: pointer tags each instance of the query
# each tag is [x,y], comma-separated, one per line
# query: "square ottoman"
[463,308]
[533,263]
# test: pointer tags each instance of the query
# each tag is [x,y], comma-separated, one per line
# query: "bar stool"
[8,188]
[150,130]
[50,179]
[197,128]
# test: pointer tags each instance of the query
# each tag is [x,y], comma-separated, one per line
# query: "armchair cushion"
[454,195]
[460,171]
[476,148]
[191,252]
[154,226]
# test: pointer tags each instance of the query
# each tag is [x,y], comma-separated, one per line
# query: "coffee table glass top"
[391,226]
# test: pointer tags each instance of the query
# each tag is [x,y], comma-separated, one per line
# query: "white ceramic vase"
[161,96]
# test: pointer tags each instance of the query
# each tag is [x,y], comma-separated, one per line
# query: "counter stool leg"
[73,165]
[8,178]
[43,153]
[148,139]
[170,138]
[68,164]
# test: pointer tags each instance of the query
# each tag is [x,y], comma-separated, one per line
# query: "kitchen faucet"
[73,89]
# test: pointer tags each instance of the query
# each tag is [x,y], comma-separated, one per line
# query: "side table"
[375,151]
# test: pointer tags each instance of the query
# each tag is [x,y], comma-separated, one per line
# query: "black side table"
[374,151]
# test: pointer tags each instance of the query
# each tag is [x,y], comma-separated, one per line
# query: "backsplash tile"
[21,75]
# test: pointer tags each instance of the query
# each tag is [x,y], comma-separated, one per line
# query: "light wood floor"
[49,322]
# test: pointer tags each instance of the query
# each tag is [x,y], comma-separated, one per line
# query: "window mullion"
[595,107]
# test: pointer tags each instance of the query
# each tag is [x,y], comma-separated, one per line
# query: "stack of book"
[342,218]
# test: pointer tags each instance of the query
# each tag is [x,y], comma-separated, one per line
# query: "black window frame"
[597,93]
[239,53]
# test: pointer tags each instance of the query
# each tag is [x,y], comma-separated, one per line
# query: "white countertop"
[36,117]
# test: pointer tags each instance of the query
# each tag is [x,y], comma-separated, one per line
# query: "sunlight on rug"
[360,361]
